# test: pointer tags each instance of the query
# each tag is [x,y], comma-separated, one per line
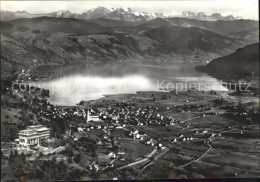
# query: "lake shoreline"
[95,81]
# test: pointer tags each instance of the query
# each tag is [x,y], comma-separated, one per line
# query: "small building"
[80,129]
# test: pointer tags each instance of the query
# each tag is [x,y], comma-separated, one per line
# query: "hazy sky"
[244,8]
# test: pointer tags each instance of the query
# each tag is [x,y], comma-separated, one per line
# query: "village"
[123,133]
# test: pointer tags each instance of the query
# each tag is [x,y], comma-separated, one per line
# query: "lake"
[93,81]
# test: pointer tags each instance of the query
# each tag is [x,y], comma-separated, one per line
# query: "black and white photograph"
[129,90]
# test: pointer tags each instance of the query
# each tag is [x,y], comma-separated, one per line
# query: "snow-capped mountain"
[203,16]
[188,13]
[64,14]
[98,12]
[130,15]
[114,13]
[94,13]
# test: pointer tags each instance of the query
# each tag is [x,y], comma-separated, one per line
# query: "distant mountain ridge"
[115,13]
[220,26]
[98,12]
[212,17]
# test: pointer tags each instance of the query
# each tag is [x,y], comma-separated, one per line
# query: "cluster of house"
[60,112]
[247,114]
[23,75]
[133,115]
[113,149]
[33,135]
[182,138]
[136,134]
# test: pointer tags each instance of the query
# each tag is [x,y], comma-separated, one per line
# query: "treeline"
[16,165]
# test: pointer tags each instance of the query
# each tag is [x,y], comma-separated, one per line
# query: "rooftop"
[42,129]
[33,130]
[35,126]
[28,132]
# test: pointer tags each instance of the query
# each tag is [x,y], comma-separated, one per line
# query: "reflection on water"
[95,81]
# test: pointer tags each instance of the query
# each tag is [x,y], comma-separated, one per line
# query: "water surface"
[94,81]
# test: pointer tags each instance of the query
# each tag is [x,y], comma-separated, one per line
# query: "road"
[152,153]
[132,164]
[210,147]
[140,161]
[184,165]
[155,159]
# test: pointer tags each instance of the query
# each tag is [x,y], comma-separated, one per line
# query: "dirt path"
[184,165]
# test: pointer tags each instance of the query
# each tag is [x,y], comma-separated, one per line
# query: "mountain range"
[60,38]
[99,12]
[115,13]
[212,17]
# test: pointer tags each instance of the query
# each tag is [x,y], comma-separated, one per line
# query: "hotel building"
[33,135]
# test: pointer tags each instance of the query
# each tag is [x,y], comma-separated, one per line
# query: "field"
[134,149]
[235,153]
[157,99]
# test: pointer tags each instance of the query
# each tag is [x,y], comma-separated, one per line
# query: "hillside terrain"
[68,40]
[242,64]
[221,26]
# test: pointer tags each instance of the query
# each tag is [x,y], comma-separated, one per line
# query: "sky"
[244,8]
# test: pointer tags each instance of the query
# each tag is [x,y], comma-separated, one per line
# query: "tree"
[16,154]
[23,157]
[70,160]
[11,157]
[77,158]
[8,132]
[40,155]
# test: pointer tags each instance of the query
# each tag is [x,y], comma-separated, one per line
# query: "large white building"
[33,135]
